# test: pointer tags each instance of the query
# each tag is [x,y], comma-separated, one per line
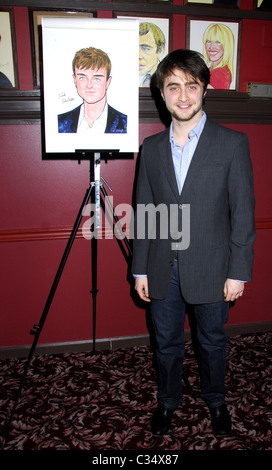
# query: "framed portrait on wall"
[89,101]
[155,41]
[35,20]
[8,55]
[219,43]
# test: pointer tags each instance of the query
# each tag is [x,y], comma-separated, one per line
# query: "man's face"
[148,55]
[91,84]
[183,96]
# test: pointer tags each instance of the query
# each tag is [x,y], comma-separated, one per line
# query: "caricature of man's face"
[148,55]
[91,84]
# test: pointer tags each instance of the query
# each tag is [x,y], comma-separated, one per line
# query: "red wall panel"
[40,195]
[256,52]
[23,48]
[260,141]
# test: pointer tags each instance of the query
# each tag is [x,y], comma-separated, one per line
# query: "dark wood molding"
[221,106]
[154,7]
[24,107]
[236,107]
[20,107]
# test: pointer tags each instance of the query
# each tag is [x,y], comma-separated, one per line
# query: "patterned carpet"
[104,401]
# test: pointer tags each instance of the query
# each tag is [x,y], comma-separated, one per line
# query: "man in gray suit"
[203,171]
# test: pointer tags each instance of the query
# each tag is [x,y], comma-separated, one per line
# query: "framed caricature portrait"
[8,56]
[155,41]
[90,93]
[219,43]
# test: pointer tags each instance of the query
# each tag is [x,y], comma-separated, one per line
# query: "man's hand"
[233,290]
[141,286]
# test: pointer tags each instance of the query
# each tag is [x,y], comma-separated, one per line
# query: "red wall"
[41,195]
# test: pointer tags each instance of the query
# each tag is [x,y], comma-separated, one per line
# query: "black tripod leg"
[94,290]
[115,218]
[38,328]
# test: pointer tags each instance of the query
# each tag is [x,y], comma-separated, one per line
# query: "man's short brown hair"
[190,62]
[91,58]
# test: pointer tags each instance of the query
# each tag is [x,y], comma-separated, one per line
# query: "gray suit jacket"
[219,190]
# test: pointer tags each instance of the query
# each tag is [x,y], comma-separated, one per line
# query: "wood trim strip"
[264,223]
[62,233]
[36,234]
[152,6]
[24,107]
[120,342]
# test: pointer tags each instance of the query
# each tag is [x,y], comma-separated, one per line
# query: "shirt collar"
[100,121]
[196,131]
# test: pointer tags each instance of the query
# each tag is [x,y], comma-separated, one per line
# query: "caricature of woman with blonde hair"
[218,50]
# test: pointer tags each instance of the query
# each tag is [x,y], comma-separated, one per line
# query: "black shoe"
[220,420]
[161,421]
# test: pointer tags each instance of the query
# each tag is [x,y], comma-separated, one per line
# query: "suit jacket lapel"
[165,156]
[202,151]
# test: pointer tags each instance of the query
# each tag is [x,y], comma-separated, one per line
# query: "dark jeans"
[168,317]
